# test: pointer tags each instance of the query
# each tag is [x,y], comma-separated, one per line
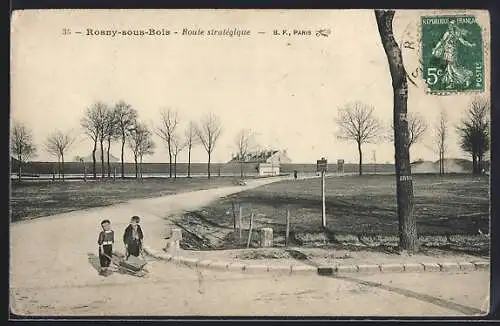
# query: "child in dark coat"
[132,238]
[105,242]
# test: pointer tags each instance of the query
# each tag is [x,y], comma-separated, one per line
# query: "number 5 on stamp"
[452,54]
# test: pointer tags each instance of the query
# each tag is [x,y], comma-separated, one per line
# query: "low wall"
[196,168]
[225,168]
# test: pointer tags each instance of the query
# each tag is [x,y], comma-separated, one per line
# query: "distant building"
[88,159]
[268,169]
[267,161]
[264,156]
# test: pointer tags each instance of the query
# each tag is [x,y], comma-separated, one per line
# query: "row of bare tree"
[357,122]
[24,149]
[206,133]
[106,125]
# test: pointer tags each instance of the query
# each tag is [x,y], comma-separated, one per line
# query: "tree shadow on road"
[466,310]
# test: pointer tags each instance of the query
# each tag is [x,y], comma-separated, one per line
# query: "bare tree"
[208,133]
[141,144]
[93,123]
[103,133]
[126,117]
[404,182]
[166,131]
[441,136]
[57,144]
[357,123]
[134,142]
[177,146]
[147,148]
[191,141]
[111,133]
[474,132]
[245,143]
[417,126]
[22,145]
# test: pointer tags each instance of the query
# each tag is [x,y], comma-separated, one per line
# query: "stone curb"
[404,268]
[232,266]
[324,270]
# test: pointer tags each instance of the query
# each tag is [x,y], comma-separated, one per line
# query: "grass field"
[43,198]
[361,206]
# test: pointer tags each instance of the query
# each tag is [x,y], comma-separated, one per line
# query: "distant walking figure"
[295,174]
[133,237]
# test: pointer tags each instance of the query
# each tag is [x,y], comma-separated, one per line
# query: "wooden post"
[250,231]
[323,211]
[239,222]
[287,234]
[175,239]
[85,173]
[266,237]
[234,215]
[53,175]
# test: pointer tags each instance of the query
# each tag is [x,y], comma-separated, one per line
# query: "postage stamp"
[452,54]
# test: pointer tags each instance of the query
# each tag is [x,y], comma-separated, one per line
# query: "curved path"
[53,272]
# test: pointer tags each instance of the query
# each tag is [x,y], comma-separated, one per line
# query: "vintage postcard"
[250,163]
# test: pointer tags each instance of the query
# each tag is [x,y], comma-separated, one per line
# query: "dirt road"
[53,272]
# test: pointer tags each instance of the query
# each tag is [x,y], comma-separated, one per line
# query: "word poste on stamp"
[452,54]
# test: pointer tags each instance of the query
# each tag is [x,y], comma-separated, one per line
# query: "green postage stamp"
[452,54]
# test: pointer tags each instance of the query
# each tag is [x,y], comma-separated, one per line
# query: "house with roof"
[88,158]
[267,161]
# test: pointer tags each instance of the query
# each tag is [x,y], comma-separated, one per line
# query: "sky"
[286,89]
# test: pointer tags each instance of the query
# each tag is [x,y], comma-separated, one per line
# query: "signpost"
[322,166]
[340,166]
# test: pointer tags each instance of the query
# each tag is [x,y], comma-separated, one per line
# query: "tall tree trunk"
[189,161]
[241,169]
[175,166]
[62,165]
[474,163]
[140,168]
[108,149]
[136,167]
[94,159]
[440,169]
[102,159]
[59,167]
[360,159]
[404,183]
[208,165]
[442,162]
[479,164]
[19,167]
[170,158]
[122,155]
